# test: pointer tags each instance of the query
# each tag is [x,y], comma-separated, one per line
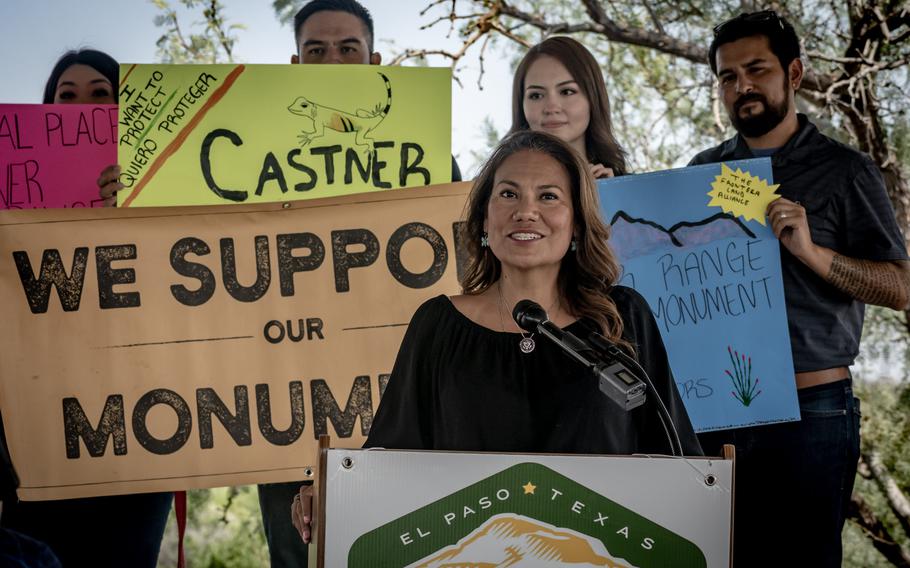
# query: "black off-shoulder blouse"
[457,385]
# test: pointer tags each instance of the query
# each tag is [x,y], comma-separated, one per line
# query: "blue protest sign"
[694,242]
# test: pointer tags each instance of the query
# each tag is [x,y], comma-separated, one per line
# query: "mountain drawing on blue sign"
[632,237]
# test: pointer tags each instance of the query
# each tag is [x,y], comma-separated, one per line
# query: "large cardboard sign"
[220,134]
[179,347]
[52,155]
[695,244]
[429,509]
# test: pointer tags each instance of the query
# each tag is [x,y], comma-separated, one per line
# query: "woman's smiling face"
[554,102]
[530,216]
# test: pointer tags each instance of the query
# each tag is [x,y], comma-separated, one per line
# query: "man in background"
[840,249]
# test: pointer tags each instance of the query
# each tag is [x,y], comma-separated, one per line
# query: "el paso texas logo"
[526,515]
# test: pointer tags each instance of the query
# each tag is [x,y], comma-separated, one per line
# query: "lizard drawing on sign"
[362,122]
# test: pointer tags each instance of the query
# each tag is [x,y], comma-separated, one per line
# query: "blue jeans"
[121,530]
[286,550]
[794,480]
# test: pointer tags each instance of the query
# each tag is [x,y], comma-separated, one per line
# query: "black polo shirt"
[848,212]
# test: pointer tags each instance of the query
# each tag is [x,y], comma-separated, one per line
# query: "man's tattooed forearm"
[870,282]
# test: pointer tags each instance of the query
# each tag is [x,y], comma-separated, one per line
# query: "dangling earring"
[484,241]
[573,246]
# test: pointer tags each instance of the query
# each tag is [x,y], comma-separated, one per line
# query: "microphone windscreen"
[528,314]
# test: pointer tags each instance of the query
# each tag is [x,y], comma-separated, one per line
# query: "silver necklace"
[526,345]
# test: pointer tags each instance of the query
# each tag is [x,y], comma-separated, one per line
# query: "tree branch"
[232,493]
[862,514]
[602,25]
[847,90]
[898,502]
[216,24]
[654,19]
[175,28]
[637,36]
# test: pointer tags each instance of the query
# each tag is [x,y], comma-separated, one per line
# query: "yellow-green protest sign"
[220,134]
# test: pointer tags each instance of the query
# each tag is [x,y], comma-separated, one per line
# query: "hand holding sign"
[109,184]
[791,227]
[600,171]
[302,513]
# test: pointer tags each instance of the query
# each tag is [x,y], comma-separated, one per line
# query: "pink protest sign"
[52,155]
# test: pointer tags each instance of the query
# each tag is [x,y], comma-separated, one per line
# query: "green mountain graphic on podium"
[631,237]
[516,541]
[525,515]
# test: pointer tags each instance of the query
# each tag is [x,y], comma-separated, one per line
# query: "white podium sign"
[427,509]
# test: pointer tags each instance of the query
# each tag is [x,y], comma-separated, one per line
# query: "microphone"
[615,380]
[528,314]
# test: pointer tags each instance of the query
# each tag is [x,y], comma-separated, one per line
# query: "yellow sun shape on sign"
[742,194]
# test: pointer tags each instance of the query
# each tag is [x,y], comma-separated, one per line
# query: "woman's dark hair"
[97,60]
[587,274]
[600,144]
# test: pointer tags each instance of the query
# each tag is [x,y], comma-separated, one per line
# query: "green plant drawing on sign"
[743,384]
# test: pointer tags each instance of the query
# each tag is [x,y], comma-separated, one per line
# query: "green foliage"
[885,351]
[224,530]
[886,425]
[664,105]
[901,135]
[858,552]
[487,140]
[886,430]
[661,106]
[286,9]
[213,44]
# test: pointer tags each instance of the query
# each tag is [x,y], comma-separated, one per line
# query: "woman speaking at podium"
[468,378]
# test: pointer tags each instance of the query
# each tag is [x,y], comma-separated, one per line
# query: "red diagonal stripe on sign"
[184,134]
[123,81]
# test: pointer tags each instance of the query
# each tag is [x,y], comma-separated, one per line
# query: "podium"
[425,509]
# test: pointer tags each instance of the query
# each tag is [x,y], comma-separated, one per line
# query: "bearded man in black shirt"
[840,249]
